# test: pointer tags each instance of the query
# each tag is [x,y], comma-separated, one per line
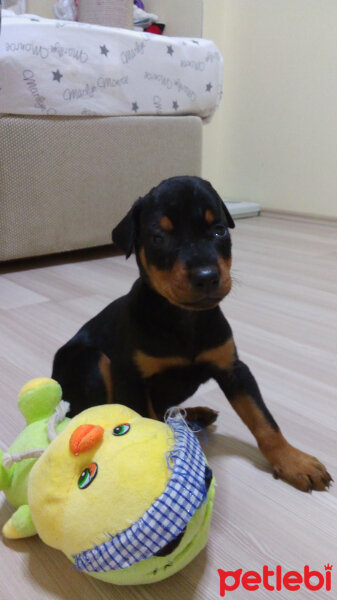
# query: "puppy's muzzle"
[205,280]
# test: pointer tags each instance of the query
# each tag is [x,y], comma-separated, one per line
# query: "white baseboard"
[240,210]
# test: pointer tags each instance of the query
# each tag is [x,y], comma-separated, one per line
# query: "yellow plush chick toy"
[127,499]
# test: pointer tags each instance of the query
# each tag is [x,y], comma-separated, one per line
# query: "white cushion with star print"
[50,67]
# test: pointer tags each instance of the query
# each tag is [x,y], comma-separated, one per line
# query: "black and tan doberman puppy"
[152,348]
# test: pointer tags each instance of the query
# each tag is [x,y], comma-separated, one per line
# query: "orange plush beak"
[84,438]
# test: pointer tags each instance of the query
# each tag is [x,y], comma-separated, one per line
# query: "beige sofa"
[65,182]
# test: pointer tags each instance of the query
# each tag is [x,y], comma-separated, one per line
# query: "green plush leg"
[39,398]
[20,524]
[4,475]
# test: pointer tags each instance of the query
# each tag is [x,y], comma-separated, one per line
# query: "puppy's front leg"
[298,468]
[130,390]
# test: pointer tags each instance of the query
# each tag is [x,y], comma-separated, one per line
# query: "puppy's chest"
[220,356]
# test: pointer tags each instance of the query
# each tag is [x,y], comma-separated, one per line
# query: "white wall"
[274,138]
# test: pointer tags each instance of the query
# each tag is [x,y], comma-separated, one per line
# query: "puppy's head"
[179,232]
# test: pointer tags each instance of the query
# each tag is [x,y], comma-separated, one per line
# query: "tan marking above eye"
[222,356]
[209,217]
[150,365]
[166,223]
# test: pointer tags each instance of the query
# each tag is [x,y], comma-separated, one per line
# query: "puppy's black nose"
[205,279]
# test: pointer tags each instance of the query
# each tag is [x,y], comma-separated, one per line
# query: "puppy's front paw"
[202,416]
[303,471]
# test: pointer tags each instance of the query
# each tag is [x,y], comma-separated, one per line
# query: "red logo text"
[275,579]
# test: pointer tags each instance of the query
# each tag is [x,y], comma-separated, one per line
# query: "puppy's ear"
[228,216]
[125,234]
[223,207]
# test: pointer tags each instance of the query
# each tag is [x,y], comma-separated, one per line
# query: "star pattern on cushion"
[104,50]
[57,75]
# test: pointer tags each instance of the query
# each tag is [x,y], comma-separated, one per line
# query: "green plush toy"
[40,403]
[127,499]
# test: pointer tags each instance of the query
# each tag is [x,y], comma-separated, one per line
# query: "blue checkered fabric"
[168,515]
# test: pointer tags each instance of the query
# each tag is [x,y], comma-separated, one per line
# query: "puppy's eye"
[157,239]
[220,231]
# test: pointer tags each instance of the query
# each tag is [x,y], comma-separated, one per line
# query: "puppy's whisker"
[236,279]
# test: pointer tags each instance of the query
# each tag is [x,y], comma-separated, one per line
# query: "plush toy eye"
[87,476]
[121,429]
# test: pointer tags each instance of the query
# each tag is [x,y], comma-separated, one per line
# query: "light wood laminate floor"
[283,313]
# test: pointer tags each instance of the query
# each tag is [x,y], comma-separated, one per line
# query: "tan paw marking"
[303,471]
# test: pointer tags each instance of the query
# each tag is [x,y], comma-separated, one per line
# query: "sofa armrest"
[182,17]
[43,8]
